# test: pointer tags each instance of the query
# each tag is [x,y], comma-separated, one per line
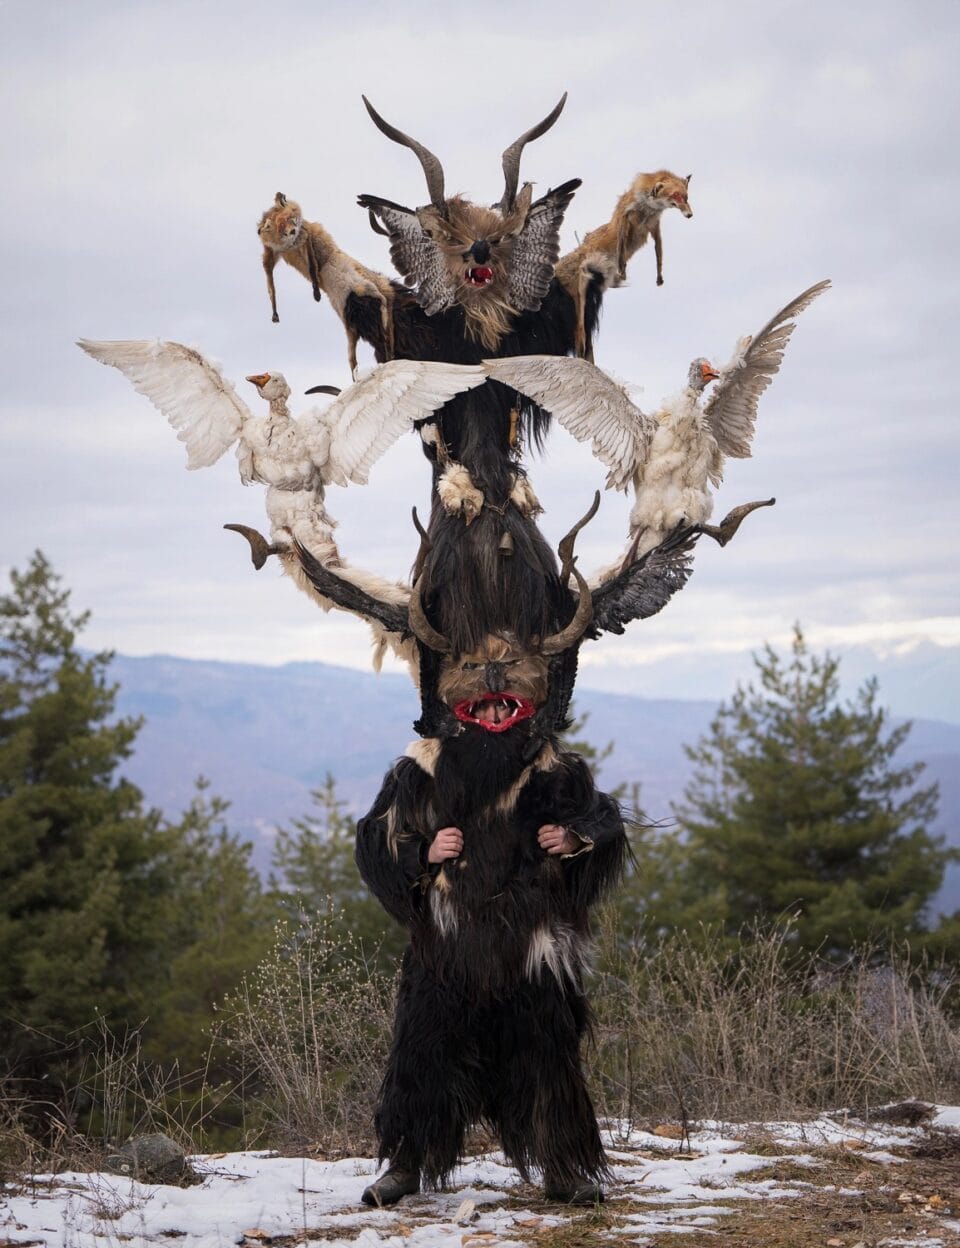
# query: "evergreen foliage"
[81,862]
[314,872]
[797,808]
[113,920]
[221,924]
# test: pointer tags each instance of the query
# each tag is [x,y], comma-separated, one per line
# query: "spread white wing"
[588,403]
[372,414]
[731,409]
[197,401]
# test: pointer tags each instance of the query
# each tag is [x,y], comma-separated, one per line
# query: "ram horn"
[511,157]
[431,166]
[420,626]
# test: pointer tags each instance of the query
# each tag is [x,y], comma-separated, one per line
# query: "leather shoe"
[392,1186]
[584,1192]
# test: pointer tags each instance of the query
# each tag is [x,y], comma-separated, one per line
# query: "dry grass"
[694,1030]
[311,1027]
[688,1031]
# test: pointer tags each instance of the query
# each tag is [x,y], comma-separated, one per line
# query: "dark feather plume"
[348,596]
[648,584]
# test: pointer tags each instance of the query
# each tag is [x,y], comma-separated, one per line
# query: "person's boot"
[579,1192]
[392,1185]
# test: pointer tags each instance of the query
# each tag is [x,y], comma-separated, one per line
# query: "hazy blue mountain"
[265,736]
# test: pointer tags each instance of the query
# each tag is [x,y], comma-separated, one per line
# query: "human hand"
[448,843]
[556,839]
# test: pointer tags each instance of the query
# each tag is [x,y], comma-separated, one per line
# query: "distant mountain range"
[266,736]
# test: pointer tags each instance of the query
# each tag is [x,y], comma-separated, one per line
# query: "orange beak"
[708,372]
[258,379]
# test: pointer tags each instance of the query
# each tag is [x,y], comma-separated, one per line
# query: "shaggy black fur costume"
[491,1010]
[476,588]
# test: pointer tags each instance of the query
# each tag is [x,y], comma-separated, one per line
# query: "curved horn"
[421,627]
[425,547]
[431,166]
[511,157]
[577,626]
[565,549]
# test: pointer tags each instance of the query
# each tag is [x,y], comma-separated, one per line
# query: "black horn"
[511,157]
[432,168]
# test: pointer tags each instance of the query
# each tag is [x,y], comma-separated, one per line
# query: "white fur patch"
[458,493]
[524,498]
[425,751]
[443,912]
[558,950]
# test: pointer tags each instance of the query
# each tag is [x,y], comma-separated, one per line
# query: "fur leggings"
[512,1063]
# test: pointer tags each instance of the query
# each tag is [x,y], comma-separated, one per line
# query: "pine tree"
[81,863]
[797,808]
[315,872]
[219,924]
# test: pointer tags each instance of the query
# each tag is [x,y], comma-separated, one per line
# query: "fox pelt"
[307,247]
[600,261]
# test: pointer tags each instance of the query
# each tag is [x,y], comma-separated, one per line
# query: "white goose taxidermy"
[675,457]
[291,457]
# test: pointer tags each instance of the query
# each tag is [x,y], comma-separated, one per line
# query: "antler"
[425,547]
[511,157]
[431,166]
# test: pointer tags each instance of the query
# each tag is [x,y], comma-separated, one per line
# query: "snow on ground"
[254,1199]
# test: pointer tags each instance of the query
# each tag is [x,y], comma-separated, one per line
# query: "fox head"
[281,226]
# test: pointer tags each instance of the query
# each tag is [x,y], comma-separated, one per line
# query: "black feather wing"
[536,248]
[648,584]
[348,596]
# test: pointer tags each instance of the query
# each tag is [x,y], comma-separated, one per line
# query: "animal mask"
[491,262]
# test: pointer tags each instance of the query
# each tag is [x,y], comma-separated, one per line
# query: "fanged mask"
[495,687]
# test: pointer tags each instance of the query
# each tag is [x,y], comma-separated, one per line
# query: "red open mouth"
[482,275]
[495,712]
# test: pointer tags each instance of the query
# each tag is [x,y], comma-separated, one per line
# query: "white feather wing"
[197,401]
[731,409]
[371,415]
[588,403]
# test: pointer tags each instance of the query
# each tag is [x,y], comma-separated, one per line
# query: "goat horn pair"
[555,643]
[433,169]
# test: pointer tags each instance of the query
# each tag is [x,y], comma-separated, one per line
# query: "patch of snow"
[318,1201]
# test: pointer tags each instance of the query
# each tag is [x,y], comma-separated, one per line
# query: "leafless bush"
[114,1093]
[699,1028]
[312,1026]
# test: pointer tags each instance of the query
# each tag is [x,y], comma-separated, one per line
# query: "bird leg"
[260,548]
[724,531]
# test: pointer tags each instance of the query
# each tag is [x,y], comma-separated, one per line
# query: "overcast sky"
[142,141]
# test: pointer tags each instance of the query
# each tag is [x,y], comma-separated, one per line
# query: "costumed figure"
[488,842]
